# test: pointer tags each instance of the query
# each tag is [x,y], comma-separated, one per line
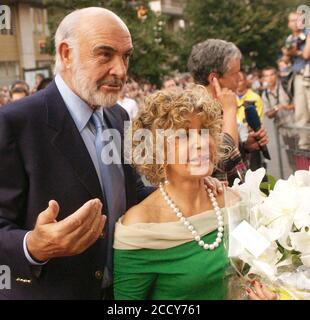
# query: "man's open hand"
[68,237]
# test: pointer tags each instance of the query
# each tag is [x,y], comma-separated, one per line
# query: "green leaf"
[296,260]
[281,249]
[268,185]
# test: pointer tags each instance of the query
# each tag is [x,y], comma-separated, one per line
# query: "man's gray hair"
[212,55]
[66,32]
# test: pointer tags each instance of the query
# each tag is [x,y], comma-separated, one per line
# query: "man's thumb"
[50,214]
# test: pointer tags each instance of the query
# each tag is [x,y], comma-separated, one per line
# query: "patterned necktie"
[112,175]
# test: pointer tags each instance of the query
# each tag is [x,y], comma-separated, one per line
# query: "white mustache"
[113,83]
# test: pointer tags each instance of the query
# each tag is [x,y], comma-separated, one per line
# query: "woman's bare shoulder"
[142,212]
[136,214]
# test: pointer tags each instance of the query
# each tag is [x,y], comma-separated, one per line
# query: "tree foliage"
[155,48]
[257,27]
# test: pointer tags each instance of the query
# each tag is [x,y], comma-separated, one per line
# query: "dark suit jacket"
[43,157]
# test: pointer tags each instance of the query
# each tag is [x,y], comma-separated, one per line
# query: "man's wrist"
[29,250]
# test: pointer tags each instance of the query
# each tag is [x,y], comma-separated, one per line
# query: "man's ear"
[65,54]
[211,76]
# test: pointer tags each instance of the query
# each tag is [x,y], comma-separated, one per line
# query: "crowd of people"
[279,93]
[73,226]
[20,89]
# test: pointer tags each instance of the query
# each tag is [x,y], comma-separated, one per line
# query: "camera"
[292,41]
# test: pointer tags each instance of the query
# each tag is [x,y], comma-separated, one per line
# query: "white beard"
[92,96]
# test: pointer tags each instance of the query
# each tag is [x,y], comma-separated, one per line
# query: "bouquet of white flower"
[272,240]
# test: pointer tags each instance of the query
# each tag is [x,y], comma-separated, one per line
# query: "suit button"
[101,235]
[99,275]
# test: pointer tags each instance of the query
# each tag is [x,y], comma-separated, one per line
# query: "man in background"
[245,96]
[244,93]
[18,93]
[20,84]
[296,49]
[4,95]
[130,105]
[215,64]
[168,83]
[279,108]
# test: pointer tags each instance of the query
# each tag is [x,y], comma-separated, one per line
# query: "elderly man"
[215,64]
[54,180]
[53,185]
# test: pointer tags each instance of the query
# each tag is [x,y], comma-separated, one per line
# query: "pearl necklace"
[190,227]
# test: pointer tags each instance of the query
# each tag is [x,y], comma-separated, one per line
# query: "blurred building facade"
[22,45]
[173,9]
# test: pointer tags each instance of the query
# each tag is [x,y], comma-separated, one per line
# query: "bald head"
[93,46]
[89,19]
[79,24]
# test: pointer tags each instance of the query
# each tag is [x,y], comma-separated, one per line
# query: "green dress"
[162,261]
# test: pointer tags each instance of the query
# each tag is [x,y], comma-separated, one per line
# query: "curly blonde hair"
[171,110]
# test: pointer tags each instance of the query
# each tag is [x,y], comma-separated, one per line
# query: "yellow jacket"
[250,95]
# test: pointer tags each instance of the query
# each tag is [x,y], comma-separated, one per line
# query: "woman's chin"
[200,170]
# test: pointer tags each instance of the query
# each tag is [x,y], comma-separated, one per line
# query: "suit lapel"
[114,120]
[69,142]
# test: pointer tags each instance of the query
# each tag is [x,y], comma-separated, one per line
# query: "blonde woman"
[170,246]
